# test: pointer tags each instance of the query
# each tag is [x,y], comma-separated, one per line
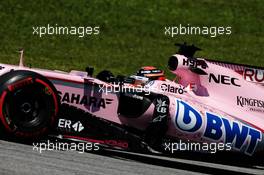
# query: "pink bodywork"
[229,82]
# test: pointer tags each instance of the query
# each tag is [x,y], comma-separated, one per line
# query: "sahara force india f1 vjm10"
[208,102]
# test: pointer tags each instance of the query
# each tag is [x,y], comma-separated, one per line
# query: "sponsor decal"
[68,124]
[162,106]
[254,75]
[192,87]
[215,127]
[78,99]
[155,71]
[253,104]
[135,96]
[47,91]
[194,63]
[223,79]
[169,88]
[160,118]
[119,143]
[150,83]
[78,127]
[20,84]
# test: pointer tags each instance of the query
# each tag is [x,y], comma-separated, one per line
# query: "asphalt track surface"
[19,158]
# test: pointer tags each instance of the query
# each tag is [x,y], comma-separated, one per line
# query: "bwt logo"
[188,119]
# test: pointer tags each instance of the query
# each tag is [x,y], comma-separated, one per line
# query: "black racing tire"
[28,104]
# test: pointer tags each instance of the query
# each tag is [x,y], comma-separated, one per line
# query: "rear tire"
[28,104]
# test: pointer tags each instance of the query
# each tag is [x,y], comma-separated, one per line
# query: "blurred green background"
[131,32]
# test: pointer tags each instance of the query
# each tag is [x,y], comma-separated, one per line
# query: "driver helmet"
[152,73]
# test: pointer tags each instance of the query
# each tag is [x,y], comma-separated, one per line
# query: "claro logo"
[168,88]
[254,75]
[223,79]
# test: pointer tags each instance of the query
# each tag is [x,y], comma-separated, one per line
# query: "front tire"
[28,104]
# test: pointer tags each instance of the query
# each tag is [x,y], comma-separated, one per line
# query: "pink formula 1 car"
[210,106]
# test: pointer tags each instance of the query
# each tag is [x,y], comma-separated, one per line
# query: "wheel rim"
[27,107]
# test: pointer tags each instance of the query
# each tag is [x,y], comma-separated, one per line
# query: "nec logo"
[223,79]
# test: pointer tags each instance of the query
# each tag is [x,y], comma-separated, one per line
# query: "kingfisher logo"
[253,104]
[215,127]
